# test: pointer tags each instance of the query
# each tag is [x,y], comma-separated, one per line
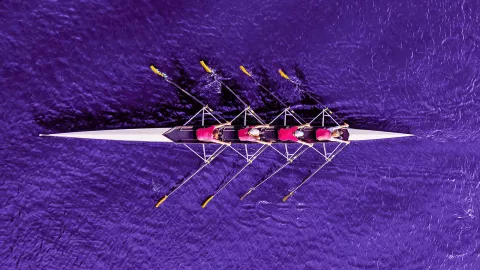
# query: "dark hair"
[339,132]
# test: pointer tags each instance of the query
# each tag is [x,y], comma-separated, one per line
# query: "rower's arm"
[305,143]
[339,127]
[262,126]
[222,125]
[220,142]
[338,140]
[262,142]
[304,125]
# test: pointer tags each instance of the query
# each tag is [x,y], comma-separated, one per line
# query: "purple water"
[402,66]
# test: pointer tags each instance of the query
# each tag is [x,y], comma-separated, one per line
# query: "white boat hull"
[156,135]
[134,135]
[366,135]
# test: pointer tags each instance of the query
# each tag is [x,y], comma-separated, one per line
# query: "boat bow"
[364,135]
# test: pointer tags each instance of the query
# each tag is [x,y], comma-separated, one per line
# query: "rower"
[212,134]
[252,134]
[332,134]
[294,134]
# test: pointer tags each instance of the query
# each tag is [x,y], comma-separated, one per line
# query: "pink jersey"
[323,134]
[286,134]
[244,136]
[205,134]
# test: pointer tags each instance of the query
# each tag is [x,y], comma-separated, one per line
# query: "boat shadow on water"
[86,120]
[168,113]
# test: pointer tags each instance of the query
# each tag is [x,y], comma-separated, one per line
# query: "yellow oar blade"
[207,201]
[242,68]
[288,196]
[155,70]
[207,69]
[161,201]
[283,74]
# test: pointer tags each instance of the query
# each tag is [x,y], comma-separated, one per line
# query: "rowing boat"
[186,134]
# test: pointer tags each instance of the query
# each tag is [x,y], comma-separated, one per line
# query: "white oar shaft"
[312,174]
[250,161]
[231,91]
[188,178]
[164,76]
[214,155]
[274,173]
[185,92]
[254,114]
[209,160]
[294,114]
[299,87]
[209,70]
[264,147]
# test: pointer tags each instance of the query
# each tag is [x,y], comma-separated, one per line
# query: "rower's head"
[337,133]
[298,133]
[255,132]
[216,134]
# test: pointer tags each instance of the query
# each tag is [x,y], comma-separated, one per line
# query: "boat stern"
[134,135]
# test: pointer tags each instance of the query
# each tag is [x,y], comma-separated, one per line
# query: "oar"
[207,162]
[166,78]
[244,70]
[209,70]
[285,76]
[250,161]
[163,75]
[290,160]
[311,175]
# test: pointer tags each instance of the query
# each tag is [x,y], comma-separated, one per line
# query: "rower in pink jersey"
[252,134]
[211,134]
[332,134]
[293,134]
